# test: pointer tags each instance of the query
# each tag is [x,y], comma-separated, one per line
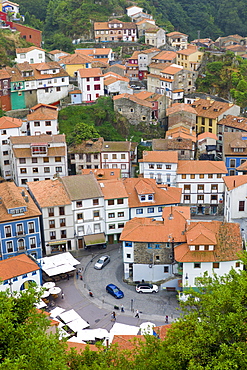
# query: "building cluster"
[61,199]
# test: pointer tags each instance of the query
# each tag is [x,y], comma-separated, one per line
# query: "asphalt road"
[97,309]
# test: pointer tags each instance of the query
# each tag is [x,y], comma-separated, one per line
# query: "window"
[151,210]
[216,265]
[232,172]
[139,211]
[143,198]
[6,162]
[197,265]
[111,215]
[183,176]
[128,255]
[157,258]
[210,176]
[128,244]
[95,156]
[201,176]
[48,123]
[61,211]
[34,160]
[111,226]
[232,162]
[96,87]
[200,187]
[166,269]
[241,205]
[35,170]
[52,224]
[58,88]
[214,187]
[150,197]
[63,234]
[200,197]
[121,226]
[159,166]
[79,216]
[120,201]
[151,166]
[32,242]
[95,202]
[7,231]
[36,124]
[114,156]
[160,209]
[96,214]
[79,204]
[57,159]
[168,166]
[23,170]
[46,169]
[187,197]
[214,197]
[19,229]
[237,264]
[96,228]
[192,176]
[96,79]
[59,169]
[9,247]
[52,235]
[4,142]
[30,227]
[120,214]
[5,152]
[62,222]
[186,188]
[46,159]
[122,156]
[51,212]
[22,160]
[218,175]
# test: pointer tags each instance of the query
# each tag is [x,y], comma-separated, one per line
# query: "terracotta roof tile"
[172,70]
[102,174]
[43,113]
[76,59]
[165,55]
[175,33]
[206,135]
[234,140]
[201,167]
[210,108]
[17,266]
[26,50]
[228,239]
[128,342]
[161,197]
[113,189]
[90,72]
[10,122]
[35,139]
[234,121]
[87,146]
[160,156]
[49,193]
[233,182]
[180,107]
[82,187]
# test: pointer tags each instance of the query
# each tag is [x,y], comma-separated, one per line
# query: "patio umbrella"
[55,290]
[45,294]
[147,328]
[49,285]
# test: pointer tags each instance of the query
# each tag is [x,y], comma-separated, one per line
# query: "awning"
[57,242]
[94,239]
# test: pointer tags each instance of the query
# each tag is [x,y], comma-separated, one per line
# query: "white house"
[131,10]
[115,84]
[119,154]
[210,247]
[91,83]
[55,55]
[159,165]
[16,273]
[202,185]
[33,54]
[235,201]
[146,199]
[10,6]
[88,209]
[57,216]
[116,208]
[8,127]
[42,119]
[39,157]
[155,36]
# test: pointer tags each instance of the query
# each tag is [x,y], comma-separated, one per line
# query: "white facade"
[88,215]
[236,206]
[201,189]
[35,55]
[163,173]
[118,87]
[133,10]
[191,270]
[92,87]
[52,89]
[43,120]
[5,158]
[14,284]
[157,38]
[154,211]
[117,160]
[33,159]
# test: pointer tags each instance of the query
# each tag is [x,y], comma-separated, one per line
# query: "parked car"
[102,262]
[114,291]
[147,288]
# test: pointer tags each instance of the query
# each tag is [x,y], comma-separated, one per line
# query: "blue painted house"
[19,223]
[235,151]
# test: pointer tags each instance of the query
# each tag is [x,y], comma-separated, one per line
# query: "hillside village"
[178,210]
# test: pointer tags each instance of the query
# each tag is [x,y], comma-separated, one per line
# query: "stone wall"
[145,255]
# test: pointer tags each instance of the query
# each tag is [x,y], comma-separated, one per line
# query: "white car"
[102,262]
[147,288]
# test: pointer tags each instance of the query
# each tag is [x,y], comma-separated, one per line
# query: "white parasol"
[55,290]
[49,285]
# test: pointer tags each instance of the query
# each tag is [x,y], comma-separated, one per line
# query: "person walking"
[77,274]
[122,308]
[137,314]
[166,319]
[113,316]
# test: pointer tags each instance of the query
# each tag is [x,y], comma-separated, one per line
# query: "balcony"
[21,233]
[31,231]
[33,246]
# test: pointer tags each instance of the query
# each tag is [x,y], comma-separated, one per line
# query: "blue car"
[114,291]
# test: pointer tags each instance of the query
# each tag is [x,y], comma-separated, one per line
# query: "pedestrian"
[80,270]
[77,274]
[62,295]
[122,308]
[80,276]
[166,319]
[67,276]
[137,314]
[113,316]
[90,293]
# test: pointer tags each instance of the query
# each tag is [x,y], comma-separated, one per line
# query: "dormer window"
[150,197]
[143,198]
[39,149]
[204,108]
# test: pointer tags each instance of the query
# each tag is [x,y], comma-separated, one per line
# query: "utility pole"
[198,35]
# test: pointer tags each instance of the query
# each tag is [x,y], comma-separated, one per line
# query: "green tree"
[24,342]
[81,132]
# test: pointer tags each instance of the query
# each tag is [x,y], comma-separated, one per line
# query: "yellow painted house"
[210,112]
[189,58]
[73,62]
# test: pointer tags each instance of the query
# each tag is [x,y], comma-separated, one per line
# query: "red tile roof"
[233,182]
[10,122]
[90,72]
[17,266]
[180,107]
[201,167]
[160,156]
